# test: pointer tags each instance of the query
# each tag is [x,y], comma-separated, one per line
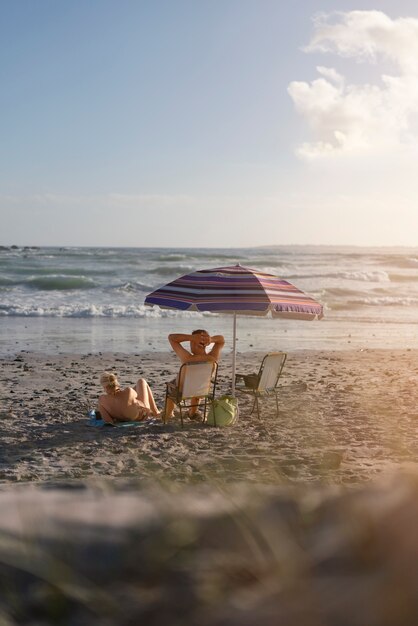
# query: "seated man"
[199,342]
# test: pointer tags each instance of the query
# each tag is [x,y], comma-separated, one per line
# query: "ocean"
[74,300]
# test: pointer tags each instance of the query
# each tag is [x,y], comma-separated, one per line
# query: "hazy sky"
[208,122]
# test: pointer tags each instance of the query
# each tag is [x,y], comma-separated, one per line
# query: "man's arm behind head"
[175,340]
[219,342]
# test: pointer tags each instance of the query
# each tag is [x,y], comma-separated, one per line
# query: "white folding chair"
[196,379]
[265,382]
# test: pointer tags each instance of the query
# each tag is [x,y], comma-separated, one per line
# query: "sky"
[200,123]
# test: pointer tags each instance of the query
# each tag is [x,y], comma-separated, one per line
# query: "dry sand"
[271,522]
[345,417]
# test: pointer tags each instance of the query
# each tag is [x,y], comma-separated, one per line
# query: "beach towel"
[99,423]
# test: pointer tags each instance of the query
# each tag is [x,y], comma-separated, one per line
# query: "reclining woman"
[125,405]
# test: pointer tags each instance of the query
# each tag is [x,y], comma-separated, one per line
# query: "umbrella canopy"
[236,290]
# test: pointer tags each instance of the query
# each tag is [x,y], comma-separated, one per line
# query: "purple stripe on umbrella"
[236,290]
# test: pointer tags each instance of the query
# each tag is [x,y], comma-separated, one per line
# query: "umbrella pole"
[234,353]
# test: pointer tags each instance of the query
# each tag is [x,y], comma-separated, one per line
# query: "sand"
[345,417]
[306,519]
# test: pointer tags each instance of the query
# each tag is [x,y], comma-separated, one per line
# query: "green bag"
[223,412]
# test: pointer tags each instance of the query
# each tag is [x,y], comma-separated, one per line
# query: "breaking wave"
[94,310]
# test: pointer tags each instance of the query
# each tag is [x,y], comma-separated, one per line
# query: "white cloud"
[367,35]
[150,200]
[98,201]
[361,118]
[331,74]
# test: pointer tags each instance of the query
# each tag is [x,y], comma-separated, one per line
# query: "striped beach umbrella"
[236,290]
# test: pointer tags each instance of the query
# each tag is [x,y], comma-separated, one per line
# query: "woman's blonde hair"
[110,381]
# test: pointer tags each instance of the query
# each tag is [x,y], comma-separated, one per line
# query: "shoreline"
[131,335]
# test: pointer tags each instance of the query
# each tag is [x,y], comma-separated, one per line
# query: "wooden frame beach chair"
[264,383]
[196,379]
